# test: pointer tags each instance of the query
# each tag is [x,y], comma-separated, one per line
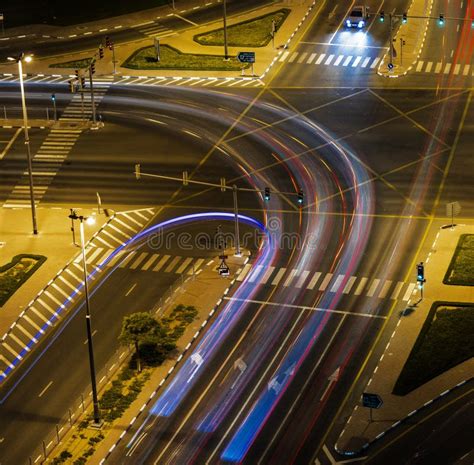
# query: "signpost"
[371,401]
[246,57]
[453,209]
[157,48]
[223,268]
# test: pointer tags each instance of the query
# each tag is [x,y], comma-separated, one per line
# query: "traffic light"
[101,52]
[300,197]
[92,68]
[382,16]
[71,86]
[441,20]
[420,270]
[108,43]
[404,18]
[137,170]
[53,97]
[83,82]
[266,195]
[77,73]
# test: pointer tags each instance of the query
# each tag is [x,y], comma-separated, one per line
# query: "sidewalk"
[54,241]
[265,56]
[360,430]
[205,292]
[408,41]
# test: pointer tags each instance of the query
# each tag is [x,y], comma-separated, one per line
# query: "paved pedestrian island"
[53,302]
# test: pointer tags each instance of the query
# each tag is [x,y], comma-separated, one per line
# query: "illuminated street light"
[19,59]
[88,220]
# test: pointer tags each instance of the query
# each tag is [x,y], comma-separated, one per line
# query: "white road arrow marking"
[332,379]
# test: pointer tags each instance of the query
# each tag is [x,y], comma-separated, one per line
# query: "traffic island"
[408,41]
[428,354]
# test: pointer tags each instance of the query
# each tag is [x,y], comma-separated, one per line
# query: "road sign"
[246,57]
[371,400]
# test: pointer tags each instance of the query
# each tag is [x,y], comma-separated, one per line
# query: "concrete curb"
[400,71]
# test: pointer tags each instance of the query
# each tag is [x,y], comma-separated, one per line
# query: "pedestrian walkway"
[53,302]
[364,427]
[153,29]
[337,60]
[244,81]
[439,67]
[54,150]
[321,281]
[145,261]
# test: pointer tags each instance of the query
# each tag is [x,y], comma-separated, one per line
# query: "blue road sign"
[246,57]
[371,400]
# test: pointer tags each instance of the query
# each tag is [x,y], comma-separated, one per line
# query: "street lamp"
[19,59]
[89,220]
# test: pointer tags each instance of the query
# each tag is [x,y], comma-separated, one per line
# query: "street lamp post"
[19,60]
[236,216]
[226,51]
[95,400]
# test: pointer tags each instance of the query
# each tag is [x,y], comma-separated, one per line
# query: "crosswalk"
[154,29]
[144,261]
[440,67]
[53,302]
[47,161]
[330,59]
[244,81]
[321,281]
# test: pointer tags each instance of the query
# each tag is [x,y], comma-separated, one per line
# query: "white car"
[358,17]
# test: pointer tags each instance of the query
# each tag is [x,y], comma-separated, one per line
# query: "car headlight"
[360,24]
[348,22]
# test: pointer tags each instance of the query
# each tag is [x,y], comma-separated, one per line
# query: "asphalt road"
[42,47]
[389,131]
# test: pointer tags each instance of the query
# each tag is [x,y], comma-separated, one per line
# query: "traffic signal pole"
[236,214]
[91,82]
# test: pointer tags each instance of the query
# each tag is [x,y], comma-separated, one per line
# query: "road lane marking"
[347,60]
[150,261]
[267,274]
[278,276]
[130,290]
[311,58]
[328,61]
[244,272]
[373,287]
[361,286]
[160,264]
[385,288]
[338,60]
[284,56]
[374,63]
[93,334]
[139,260]
[325,282]
[314,280]
[409,291]
[45,389]
[302,279]
[356,61]
[320,59]
[292,58]
[349,284]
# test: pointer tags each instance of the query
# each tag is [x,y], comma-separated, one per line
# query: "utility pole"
[95,400]
[226,51]
[91,82]
[390,16]
[53,98]
[27,143]
[236,215]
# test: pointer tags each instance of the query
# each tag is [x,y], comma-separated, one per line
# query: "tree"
[136,328]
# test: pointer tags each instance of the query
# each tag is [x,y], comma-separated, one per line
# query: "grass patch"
[444,341]
[15,273]
[461,269]
[172,58]
[256,32]
[76,64]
